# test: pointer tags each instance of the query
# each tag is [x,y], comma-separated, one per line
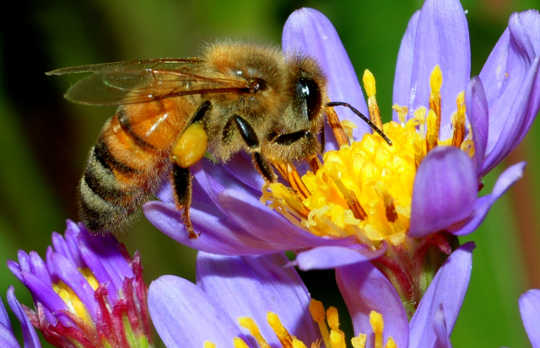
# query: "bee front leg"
[250,138]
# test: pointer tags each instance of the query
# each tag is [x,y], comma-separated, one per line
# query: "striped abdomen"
[129,160]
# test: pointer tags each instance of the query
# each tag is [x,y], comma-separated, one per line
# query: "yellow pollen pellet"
[191,146]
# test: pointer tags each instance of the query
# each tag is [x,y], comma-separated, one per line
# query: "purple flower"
[7,338]
[365,288]
[448,131]
[233,296]
[88,291]
[529,306]
[229,288]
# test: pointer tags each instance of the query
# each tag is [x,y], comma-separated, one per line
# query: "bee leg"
[250,138]
[181,182]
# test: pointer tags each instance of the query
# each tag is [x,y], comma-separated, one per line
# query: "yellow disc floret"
[364,190]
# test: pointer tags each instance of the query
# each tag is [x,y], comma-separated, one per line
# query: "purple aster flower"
[88,292]
[258,302]
[529,306]
[365,289]
[400,203]
[7,338]
[232,293]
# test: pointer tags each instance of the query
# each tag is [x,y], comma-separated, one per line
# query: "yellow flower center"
[364,190]
[73,302]
[328,323]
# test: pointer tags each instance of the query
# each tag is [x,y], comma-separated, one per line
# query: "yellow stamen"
[296,343]
[359,341]
[432,135]
[87,273]
[371,91]
[239,343]
[337,128]
[377,323]
[72,301]
[364,190]
[435,83]
[390,343]
[402,112]
[458,121]
[208,344]
[316,309]
[337,339]
[332,317]
[250,324]
[281,332]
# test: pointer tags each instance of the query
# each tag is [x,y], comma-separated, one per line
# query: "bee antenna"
[363,117]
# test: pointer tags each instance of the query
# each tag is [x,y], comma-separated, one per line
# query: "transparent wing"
[141,81]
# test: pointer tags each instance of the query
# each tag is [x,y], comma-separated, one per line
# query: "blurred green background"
[44,139]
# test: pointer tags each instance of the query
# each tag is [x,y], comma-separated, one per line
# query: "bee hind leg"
[250,138]
[181,182]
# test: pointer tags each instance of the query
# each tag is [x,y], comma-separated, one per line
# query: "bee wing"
[141,81]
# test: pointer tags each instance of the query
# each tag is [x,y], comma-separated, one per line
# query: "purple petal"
[364,289]
[4,317]
[519,116]
[448,289]
[309,33]
[267,286]
[39,268]
[42,292]
[483,204]
[110,279]
[217,235]
[441,329]
[478,115]
[404,66]
[327,257]
[241,167]
[65,270]
[30,336]
[441,38]
[444,191]
[7,339]
[529,307]
[184,316]
[276,231]
[511,79]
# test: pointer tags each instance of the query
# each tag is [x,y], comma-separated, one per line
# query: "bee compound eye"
[309,95]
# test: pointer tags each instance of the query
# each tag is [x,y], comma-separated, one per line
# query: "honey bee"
[236,97]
